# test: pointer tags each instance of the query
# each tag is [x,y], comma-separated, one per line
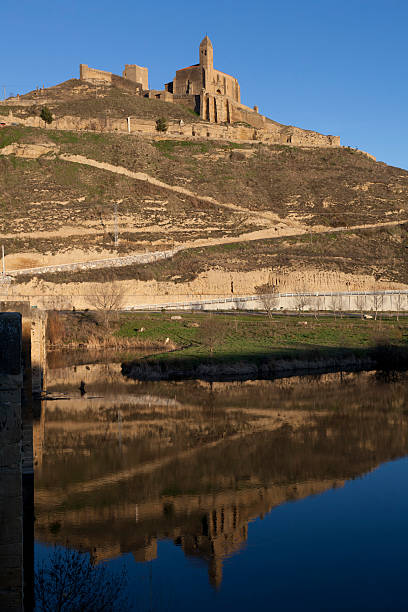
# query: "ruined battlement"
[92,74]
[133,77]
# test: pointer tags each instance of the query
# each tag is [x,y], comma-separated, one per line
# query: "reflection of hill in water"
[196,462]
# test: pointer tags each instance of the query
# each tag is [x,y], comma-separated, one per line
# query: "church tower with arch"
[202,80]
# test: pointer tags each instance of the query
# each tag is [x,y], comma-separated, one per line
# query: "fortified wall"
[269,133]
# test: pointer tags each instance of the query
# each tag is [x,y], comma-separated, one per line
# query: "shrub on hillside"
[46,115]
[161,125]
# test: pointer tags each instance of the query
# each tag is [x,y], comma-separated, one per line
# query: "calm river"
[277,495]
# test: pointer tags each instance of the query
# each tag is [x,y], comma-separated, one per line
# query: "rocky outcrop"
[30,151]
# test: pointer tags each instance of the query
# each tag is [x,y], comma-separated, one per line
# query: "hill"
[316,217]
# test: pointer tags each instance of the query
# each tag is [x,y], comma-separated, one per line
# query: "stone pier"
[11,489]
[38,351]
[34,324]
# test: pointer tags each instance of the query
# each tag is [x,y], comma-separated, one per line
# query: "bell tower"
[206,61]
[206,53]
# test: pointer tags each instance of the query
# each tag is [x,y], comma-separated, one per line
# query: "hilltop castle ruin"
[214,95]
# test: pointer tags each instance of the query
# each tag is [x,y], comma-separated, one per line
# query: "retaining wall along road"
[333,301]
[114,262]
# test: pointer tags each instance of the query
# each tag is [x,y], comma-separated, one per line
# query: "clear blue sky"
[336,66]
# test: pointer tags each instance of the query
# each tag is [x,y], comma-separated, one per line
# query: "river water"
[286,495]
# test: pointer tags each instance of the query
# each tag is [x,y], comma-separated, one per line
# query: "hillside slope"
[82,99]
[274,206]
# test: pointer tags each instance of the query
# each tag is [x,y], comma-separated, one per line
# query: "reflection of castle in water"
[194,474]
[211,527]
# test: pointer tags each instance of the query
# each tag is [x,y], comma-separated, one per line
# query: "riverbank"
[236,346]
[244,346]
[388,360]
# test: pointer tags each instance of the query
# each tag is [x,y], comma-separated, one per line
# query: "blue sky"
[336,66]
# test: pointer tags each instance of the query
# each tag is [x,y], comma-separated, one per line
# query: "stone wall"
[213,285]
[269,132]
[34,323]
[244,114]
[98,264]
[308,138]
[188,81]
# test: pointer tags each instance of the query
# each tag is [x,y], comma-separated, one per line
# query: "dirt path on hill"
[142,176]
[278,227]
[281,227]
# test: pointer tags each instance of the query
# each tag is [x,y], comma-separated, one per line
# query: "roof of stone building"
[188,67]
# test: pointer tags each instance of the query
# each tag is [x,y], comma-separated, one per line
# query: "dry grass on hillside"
[81,99]
[333,187]
[74,204]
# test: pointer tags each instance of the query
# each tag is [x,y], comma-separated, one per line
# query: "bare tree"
[302,301]
[398,304]
[361,304]
[107,298]
[269,297]
[335,304]
[213,331]
[70,580]
[318,305]
[378,302]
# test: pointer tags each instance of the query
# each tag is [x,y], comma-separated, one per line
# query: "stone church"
[203,76]
[206,86]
